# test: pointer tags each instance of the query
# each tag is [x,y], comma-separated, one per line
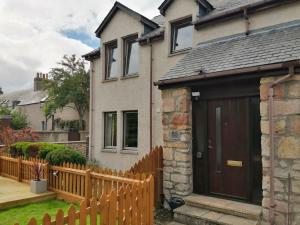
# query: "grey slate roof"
[92,54]
[25,97]
[270,45]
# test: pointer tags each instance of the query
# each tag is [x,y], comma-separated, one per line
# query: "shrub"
[55,154]
[58,157]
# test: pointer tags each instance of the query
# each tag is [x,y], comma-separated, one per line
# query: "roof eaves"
[95,54]
[163,7]
[238,11]
[129,11]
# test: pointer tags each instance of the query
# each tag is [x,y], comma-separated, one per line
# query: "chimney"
[38,81]
[1,91]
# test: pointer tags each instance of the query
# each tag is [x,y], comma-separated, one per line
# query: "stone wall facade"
[177,132]
[177,125]
[287,149]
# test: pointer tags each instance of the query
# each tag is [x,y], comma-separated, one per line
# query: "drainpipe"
[91,121]
[247,21]
[151,92]
[272,146]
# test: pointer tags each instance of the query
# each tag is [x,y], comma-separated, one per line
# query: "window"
[111,60]
[44,125]
[130,129]
[131,56]
[110,130]
[182,35]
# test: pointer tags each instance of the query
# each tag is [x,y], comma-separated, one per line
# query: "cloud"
[35,34]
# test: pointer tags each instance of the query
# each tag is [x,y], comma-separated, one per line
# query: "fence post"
[88,186]
[1,161]
[47,174]
[19,169]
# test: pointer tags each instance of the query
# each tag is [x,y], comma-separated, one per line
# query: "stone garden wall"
[287,149]
[177,126]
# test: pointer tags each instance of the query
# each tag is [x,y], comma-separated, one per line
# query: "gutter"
[239,11]
[272,205]
[200,75]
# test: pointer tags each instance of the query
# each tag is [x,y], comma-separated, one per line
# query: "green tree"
[68,87]
[19,119]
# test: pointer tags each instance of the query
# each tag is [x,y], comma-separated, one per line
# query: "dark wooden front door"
[228,147]
[227,152]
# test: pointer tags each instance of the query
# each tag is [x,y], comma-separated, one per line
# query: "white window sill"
[109,80]
[132,151]
[184,51]
[130,76]
[109,150]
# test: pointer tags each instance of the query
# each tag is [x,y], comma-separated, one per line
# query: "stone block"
[287,107]
[168,154]
[182,157]
[264,109]
[265,145]
[168,184]
[185,104]
[184,171]
[180,119]
[296,186]
[294,90]
[289,148]
[279,126]
[182,187]
[279,91]
[179,178]
[294,125]
[168,104]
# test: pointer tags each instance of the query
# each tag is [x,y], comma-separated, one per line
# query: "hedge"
[41,150]
[58,157]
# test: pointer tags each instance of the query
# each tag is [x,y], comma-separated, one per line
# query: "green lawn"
[22,214]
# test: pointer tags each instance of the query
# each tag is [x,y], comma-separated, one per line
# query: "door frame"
[231,89]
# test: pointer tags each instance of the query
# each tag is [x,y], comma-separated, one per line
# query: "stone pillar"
[287,149]
[177,126]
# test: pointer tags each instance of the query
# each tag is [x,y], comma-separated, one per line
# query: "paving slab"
[13,193]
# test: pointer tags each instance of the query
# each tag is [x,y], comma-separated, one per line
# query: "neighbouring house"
[227,90]
[31,103]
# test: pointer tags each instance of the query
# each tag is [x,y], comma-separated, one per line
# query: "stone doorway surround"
[177,125]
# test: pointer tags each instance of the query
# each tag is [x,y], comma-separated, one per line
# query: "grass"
[22,214]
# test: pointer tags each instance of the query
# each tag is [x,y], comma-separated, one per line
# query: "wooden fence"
[152,164]
[123,206]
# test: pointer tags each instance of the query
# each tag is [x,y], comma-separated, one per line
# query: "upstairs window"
[130,129]
[131,56]
[110,129]
[182,35]
[111,60]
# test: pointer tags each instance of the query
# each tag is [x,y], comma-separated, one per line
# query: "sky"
[35,34]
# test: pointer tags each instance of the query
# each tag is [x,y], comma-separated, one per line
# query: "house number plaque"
[234,163]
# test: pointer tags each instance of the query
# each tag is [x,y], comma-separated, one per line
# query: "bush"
[57,153]
[58,157]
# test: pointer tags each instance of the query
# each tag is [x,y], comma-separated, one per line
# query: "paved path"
[14,193]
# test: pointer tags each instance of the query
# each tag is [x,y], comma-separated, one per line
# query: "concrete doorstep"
[202,210]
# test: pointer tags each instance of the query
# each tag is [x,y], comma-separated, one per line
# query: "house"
[31,102]
[227,90]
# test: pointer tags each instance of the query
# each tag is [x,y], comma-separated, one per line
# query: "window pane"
[110,130]
[112,61]
[132,58]
[130,129]
[182,37]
